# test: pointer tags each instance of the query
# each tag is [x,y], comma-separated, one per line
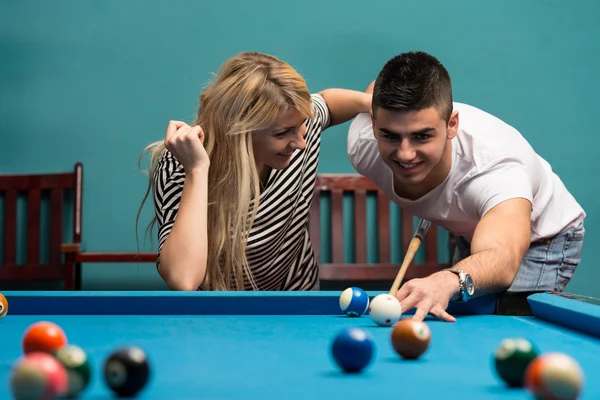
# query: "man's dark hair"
[411,82]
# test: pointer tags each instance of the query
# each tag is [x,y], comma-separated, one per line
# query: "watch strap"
[461,282]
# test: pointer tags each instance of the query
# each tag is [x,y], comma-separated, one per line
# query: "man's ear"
[453,125]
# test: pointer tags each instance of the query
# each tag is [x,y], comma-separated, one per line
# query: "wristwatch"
[467,288]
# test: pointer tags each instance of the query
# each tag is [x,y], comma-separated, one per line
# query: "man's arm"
[499,243]
[346,104]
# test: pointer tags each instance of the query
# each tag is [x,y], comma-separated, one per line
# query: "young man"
[517,226]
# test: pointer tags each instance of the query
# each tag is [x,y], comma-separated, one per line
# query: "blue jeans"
[548,265]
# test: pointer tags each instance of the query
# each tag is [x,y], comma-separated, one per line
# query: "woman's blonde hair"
[249,92]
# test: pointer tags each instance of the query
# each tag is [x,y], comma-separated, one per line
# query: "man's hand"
[429,295]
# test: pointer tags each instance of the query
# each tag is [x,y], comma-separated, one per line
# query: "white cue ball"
[385,310]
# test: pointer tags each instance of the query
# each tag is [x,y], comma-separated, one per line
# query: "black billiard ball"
[126,371]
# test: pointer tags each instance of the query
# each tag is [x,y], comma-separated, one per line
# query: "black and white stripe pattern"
[278,250]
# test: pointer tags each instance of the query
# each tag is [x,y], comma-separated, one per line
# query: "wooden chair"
[338,270]
[334,186]
[34,189]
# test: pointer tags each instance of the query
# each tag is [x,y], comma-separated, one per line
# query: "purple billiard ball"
[353,349]
[354,302]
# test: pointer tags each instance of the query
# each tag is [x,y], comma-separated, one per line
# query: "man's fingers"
[410,302]
[422,310]
[403,292]
[440,313]
[409,288]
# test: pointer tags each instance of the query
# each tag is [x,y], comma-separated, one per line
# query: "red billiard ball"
[45,337]
[554,376]
[3,306]
[410,338]
[38,376]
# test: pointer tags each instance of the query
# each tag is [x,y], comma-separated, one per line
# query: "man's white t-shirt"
[491,162]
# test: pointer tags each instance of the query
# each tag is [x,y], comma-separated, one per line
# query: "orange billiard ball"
[554,376]
[3,306]
[44,336]
[410,338]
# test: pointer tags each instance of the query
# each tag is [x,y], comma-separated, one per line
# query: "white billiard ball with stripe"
[354,302]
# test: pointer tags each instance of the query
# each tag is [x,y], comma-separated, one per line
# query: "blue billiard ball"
[354,302]
[353,349]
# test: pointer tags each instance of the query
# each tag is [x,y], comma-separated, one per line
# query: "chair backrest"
[38,191]
[359,188]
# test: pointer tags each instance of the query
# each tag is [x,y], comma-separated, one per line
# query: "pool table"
[275,345]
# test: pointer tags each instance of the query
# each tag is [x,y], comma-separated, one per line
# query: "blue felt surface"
[277,357]
[197,303]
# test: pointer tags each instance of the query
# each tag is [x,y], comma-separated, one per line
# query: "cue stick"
[415,242]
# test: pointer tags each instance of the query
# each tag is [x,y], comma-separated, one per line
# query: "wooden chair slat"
[383,231]
[360,226]
[34,205]
[56,225]
[350,182]
[10,227]
[407,230]
[431,250]
[29,272]
[39,181]
[373,272]
[77,182]
[337,226]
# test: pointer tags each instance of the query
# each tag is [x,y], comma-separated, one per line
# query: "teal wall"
[96,81]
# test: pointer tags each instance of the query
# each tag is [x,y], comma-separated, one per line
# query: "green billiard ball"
[77,364]
[512,358]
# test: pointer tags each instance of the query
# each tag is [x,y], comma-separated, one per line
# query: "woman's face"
[274,146]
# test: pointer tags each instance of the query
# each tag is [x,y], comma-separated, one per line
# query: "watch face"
[469,285]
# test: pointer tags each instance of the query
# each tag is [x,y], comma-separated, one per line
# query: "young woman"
[232,191]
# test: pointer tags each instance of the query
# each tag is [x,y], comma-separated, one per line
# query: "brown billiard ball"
[410,338]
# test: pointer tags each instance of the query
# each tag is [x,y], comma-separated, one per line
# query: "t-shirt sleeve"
[502,180]
[321,118]
[168,186]
[360,143]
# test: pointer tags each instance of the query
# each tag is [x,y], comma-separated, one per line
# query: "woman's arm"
[346,104]
[183,256]
[184,253]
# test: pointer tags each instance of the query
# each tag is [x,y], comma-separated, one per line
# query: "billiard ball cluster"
[52,368]
[49,367]
[353,349]
[516,361]
[552,375]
